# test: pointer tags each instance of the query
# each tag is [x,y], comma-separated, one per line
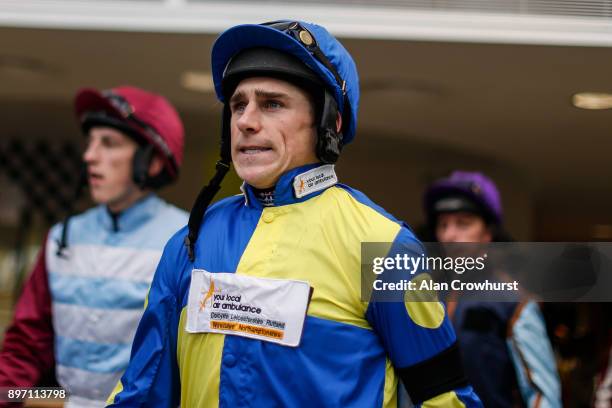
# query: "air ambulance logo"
[208,295]
[301,186]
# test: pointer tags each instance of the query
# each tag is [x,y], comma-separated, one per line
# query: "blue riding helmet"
[311,44]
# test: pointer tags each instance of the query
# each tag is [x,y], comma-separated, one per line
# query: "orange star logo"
[208,294]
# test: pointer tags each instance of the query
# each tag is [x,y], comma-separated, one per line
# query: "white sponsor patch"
[314,180]
[265,309]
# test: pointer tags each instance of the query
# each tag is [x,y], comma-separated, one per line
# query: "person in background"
[505,348]
[82,302]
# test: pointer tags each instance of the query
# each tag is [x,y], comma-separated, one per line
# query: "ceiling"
[505,106]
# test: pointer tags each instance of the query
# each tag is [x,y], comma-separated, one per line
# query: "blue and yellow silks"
[349,348]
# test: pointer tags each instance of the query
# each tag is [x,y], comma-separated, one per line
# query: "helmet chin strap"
[140,165]
[201,204]
[329,140]
[214,185]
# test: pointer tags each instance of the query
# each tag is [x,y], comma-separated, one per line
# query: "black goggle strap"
[62,243]
[295,30]
[127,111]
[323,59]
[208,192]
[470,185]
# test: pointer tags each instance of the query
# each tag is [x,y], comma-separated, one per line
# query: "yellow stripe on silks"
[199,360]
[446,400]
[420,308]
[118,388]
[319,241]
[390,393]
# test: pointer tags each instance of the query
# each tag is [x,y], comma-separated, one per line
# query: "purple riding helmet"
[464,191]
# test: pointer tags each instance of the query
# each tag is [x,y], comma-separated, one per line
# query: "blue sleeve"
[533,359]
[152,376]
[414,331]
